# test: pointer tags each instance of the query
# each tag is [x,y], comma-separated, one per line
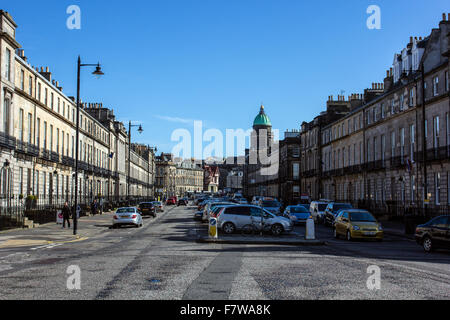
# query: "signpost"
[213,228]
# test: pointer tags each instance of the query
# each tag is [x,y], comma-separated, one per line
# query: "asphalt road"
[163,261]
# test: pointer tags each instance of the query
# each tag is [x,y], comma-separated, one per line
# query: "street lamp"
[140,130]
[98,73]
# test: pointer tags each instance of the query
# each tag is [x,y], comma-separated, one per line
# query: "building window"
[22,80]
[436,132]
[401,101]
[38,132]
[45,135]
[402,144]
[411,97]
[295,171]
[51,137]
[8,65]
[392,144]
[383,111]
[21,124]
[436,86]
[30,86]
[437,188]
[39,91]
[6,110]
[446,81]
[412,140]
[52,101]
[30,125]
[46,97]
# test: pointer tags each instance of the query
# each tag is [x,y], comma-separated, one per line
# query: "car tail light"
[220,212]
[133,216]
[115,218]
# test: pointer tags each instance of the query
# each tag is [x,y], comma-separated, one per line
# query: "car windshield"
[322,206]
[270,204]
[339,206]
[125,210]
[157,203]
[298,210]
[361,216]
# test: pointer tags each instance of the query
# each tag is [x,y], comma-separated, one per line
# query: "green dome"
[262,119]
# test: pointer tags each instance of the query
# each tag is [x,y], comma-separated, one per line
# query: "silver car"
[127,216]
[233,218]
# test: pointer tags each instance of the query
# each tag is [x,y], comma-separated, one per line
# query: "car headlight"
[380,228]
[356,228]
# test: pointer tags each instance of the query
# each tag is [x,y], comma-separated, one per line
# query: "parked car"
[434,234]
[305,205]
[272,206]
[332,210]
[317,210]
[210,206]
[127,216]
[357,224]
[233,218]
[298,214]
[159,206]
[183,202]
[171,201]
[147,209]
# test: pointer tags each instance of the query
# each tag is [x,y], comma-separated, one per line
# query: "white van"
[317,210]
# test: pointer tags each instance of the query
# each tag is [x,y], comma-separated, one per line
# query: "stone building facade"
[375,156]
[38,132]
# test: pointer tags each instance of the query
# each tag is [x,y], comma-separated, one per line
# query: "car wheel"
[228,228]
[349,235]
[277,229]
[427,244]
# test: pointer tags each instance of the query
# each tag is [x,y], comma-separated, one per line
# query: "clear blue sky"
[169,62]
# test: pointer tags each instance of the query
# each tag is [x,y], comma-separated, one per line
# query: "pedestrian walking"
[94,207]
[66,215]
[101,206]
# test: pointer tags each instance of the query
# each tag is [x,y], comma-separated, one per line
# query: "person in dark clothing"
[94,207]
[66,215]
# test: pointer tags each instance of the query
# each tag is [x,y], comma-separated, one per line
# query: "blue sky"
[170,62]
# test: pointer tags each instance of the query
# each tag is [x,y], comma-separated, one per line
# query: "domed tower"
[262,126]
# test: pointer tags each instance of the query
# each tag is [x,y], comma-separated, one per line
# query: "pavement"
[163,261]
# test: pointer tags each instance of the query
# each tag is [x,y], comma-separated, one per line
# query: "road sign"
[213,228]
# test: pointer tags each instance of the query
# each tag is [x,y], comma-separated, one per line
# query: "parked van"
[317,209]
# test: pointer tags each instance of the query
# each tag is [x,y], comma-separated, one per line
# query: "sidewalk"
[52,233]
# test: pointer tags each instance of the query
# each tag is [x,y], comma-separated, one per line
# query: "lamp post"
[140,130]
[98,72]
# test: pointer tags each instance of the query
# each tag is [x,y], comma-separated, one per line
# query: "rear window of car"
[146,205]
[126,210]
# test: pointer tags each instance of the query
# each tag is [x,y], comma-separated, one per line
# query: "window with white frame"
[392,144]
[437,188]
[8,65]
[436,86]
[411,97]
[401,101]
[436,132]
[412,141]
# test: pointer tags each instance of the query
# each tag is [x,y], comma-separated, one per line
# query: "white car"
[127,216]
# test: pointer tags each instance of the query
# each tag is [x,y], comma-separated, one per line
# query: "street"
[163,261]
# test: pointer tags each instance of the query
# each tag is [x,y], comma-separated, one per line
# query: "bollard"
[213,228]
[310,232]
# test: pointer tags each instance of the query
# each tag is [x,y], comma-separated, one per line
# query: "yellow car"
[357,224]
